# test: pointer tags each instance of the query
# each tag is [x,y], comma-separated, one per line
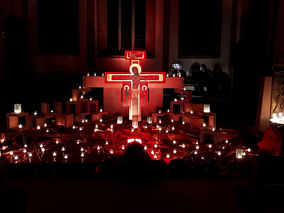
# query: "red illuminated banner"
[135,55]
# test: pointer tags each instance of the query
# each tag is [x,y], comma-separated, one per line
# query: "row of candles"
[277,118]
[155,151]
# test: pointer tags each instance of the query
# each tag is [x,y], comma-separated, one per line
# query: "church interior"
[141,105]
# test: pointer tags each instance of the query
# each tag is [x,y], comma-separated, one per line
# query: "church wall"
[56,63]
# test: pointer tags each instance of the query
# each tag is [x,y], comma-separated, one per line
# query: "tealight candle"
[174,151]
[35,113]
[239,153]
[106,142]
[197,147]
[168,110]
[206,108]
[168,156]
[155,145]
[191,112]
[175,100]
[145,147]
[111,151]
[172,120]
[219,153]
[17,108]
[71,99]
[174,142]
[101,110]
[20,126]
[195,152]
[54,154]
[183,145]
[90,99]
[123,147]
[38,127]
[119,120]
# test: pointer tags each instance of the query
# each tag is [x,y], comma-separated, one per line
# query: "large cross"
[135,89]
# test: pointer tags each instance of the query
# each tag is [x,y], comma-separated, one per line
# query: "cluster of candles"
[277,118]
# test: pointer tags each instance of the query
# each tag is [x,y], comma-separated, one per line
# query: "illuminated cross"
[135,84]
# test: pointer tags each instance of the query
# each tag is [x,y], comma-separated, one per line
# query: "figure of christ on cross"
[135,85]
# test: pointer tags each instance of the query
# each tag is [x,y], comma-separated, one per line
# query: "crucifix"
[135,90]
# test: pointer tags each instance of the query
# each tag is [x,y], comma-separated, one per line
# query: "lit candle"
[101,110]
[88,74]
[191,112]
[196,147]
[168,156]
[210,146]
[174,151]
[155,156]
[35,113]
[111,151]
[174,75]
[173,128]
[160,111]
[101,120]
[38,127]
[51,111]
[54,154]
[82,96]
[219,153]
[17,108]
[183,145]
[106,142]
[119,120]
[206,108]
[168,110]
[80,128]
[98,148]
[47,130]
[57,141]
[70,99]
[172,120]
[123,147]
[80,87]
[182,98]
[226,141]
[204,125]
[149,119]
[90,98]
[145,147]
[249,149]
[25,151]
[183,122]
[63,149]
[20,126]
[174,142]
[152,152]
[78,142]
[175,100]
[155,145]
[41,145]
[239,153]
[73,127]
[82,149]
